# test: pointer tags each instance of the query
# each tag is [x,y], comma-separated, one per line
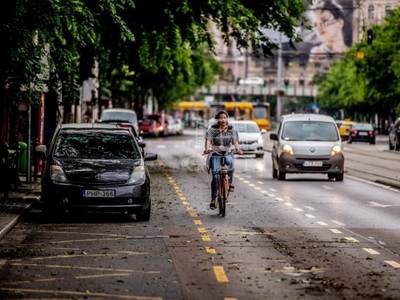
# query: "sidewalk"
[18,202]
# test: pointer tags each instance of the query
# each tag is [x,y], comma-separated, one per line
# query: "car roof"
[125,110]
[242,122]
[88,126]
[307,117]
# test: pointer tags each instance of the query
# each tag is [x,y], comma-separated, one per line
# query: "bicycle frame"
[223,186]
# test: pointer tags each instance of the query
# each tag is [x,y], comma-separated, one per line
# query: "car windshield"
[153,117]
[363,127]
[246,127]
[310,131]
[95,145]
[119,116]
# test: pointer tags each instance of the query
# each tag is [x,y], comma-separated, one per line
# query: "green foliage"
[369,84]
[139,45]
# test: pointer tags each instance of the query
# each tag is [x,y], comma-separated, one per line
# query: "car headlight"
[336,150]
[288,149]
[260,141]
[138,175]
[57,174]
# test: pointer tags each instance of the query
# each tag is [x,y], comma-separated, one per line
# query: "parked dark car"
[362,132]
[95,167]
[394,136]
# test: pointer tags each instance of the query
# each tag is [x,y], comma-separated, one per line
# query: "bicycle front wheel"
[224,194]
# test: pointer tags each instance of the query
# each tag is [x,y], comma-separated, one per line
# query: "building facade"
[336,26]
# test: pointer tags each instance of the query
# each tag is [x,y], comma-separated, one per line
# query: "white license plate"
[98,194]
[363,133]
[312,163]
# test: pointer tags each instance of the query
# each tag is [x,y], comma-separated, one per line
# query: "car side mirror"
[40,151]
[273,136]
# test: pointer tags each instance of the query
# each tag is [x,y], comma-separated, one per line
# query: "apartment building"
[347,19]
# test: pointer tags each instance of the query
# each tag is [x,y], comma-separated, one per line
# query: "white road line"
[338,223]
[393,263]
[371,251]
[351,239]
[310,208]
[322,223]
[288,204]
[310,216]
[298,209]
[327,187]
[260,182]
[335,231]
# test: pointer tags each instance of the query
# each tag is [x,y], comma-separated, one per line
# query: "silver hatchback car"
[307,143]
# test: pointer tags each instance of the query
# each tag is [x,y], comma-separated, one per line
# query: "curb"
[13,222]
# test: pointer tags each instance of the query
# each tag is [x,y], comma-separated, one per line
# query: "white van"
[120,115]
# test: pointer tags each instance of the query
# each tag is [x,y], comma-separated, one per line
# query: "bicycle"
[223,182]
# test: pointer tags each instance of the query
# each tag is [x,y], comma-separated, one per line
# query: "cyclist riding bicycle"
[220,138]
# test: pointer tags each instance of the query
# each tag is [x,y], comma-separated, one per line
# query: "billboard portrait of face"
[331,33]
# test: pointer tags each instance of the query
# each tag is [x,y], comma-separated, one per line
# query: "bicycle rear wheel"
[224,194]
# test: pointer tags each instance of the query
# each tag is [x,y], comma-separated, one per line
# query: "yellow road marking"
[182,198]
[205,238]
[371,251]
[83,268]
[393,263]
[102,275]
[202,230]
[193,215]
[189,208]
[83,294]
[210,250]
[197,222]
[220,274]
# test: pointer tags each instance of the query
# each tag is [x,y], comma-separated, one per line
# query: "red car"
[162,124]
[148,127]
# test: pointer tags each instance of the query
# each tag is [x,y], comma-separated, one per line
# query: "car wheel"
[372,142]
[397,147]
[274,171]
[260,155]
[331,176]
[144,215]
[339,177]
[50,211]
[390,146]
[281,175]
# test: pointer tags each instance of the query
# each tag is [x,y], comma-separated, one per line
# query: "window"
[388,10]
[371,12]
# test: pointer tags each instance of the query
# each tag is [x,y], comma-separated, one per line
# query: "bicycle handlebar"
[223,152]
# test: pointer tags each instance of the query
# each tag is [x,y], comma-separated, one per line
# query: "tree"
[370,84]
[145,37]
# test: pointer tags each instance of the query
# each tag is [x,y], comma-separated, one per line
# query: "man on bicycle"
[220,138]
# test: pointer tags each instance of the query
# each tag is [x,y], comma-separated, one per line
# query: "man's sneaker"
[231,188]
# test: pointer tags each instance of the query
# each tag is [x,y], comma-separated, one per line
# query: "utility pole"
[279,80]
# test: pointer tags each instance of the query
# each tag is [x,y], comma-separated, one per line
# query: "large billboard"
[331,31]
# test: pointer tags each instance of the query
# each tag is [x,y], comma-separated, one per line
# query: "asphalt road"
[303,238]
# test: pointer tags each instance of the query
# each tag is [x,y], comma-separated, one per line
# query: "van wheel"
[339,177]
[274,172]
[281,175]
